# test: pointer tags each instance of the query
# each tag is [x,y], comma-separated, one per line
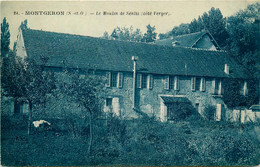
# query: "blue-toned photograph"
[120,83]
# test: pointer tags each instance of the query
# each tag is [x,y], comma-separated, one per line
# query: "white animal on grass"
[36,124]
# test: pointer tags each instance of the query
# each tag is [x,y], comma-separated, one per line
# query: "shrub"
[209,112]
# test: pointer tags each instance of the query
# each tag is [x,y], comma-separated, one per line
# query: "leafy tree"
[36,84]
[243,41]
[232,89]
[164,35]
[87,92]
[5,38]
[180,30]
[214,22]
[125,34]
[11,77]
[106,35]
[196,25]
[150,34]
[177,30]
[136,35]
[23,25]
[26,81]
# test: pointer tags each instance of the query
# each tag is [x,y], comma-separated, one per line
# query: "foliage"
[150,34]
[23,25]
[85,91]
[11,76]
[137,142]
[243,41]
[37,81]
[106,35]
[214,22]
[196,25]
[125,34]
[180,30]
[183,111]
[209,112]
[164,35]
[232,89]
[5,38]
[27,81]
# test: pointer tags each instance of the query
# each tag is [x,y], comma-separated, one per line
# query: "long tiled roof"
[187,40]
[95,53]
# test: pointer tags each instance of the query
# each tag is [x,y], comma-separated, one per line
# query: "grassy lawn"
[42,149]
[139,143]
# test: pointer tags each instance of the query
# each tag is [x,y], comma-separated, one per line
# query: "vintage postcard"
[130,83]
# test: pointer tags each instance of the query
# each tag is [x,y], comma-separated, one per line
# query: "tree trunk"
[16,107]
[30,118]
[90,133]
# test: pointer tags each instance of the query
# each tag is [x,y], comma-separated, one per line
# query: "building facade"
[150,78]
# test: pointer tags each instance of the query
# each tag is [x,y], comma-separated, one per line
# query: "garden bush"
[141,141]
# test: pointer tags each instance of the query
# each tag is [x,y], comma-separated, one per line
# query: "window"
[139,80]
[171,82]
[108,102]
[112,105]
[114,79]
[144,81]
[218,87]
[197,83]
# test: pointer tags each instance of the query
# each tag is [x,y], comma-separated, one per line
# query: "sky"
[94,22]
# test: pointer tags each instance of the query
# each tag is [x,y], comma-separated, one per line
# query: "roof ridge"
[90,36]
[203,49]
[129,41]
[190,34]
[60,33]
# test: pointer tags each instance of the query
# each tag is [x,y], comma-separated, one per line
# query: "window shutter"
[176,83]
[245,88]
[120,80]
[214,86]
[220,88]
[218,112]
[193,81]
[108,77]
[166,82]
[202,84]
[139,80]
[150,81]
